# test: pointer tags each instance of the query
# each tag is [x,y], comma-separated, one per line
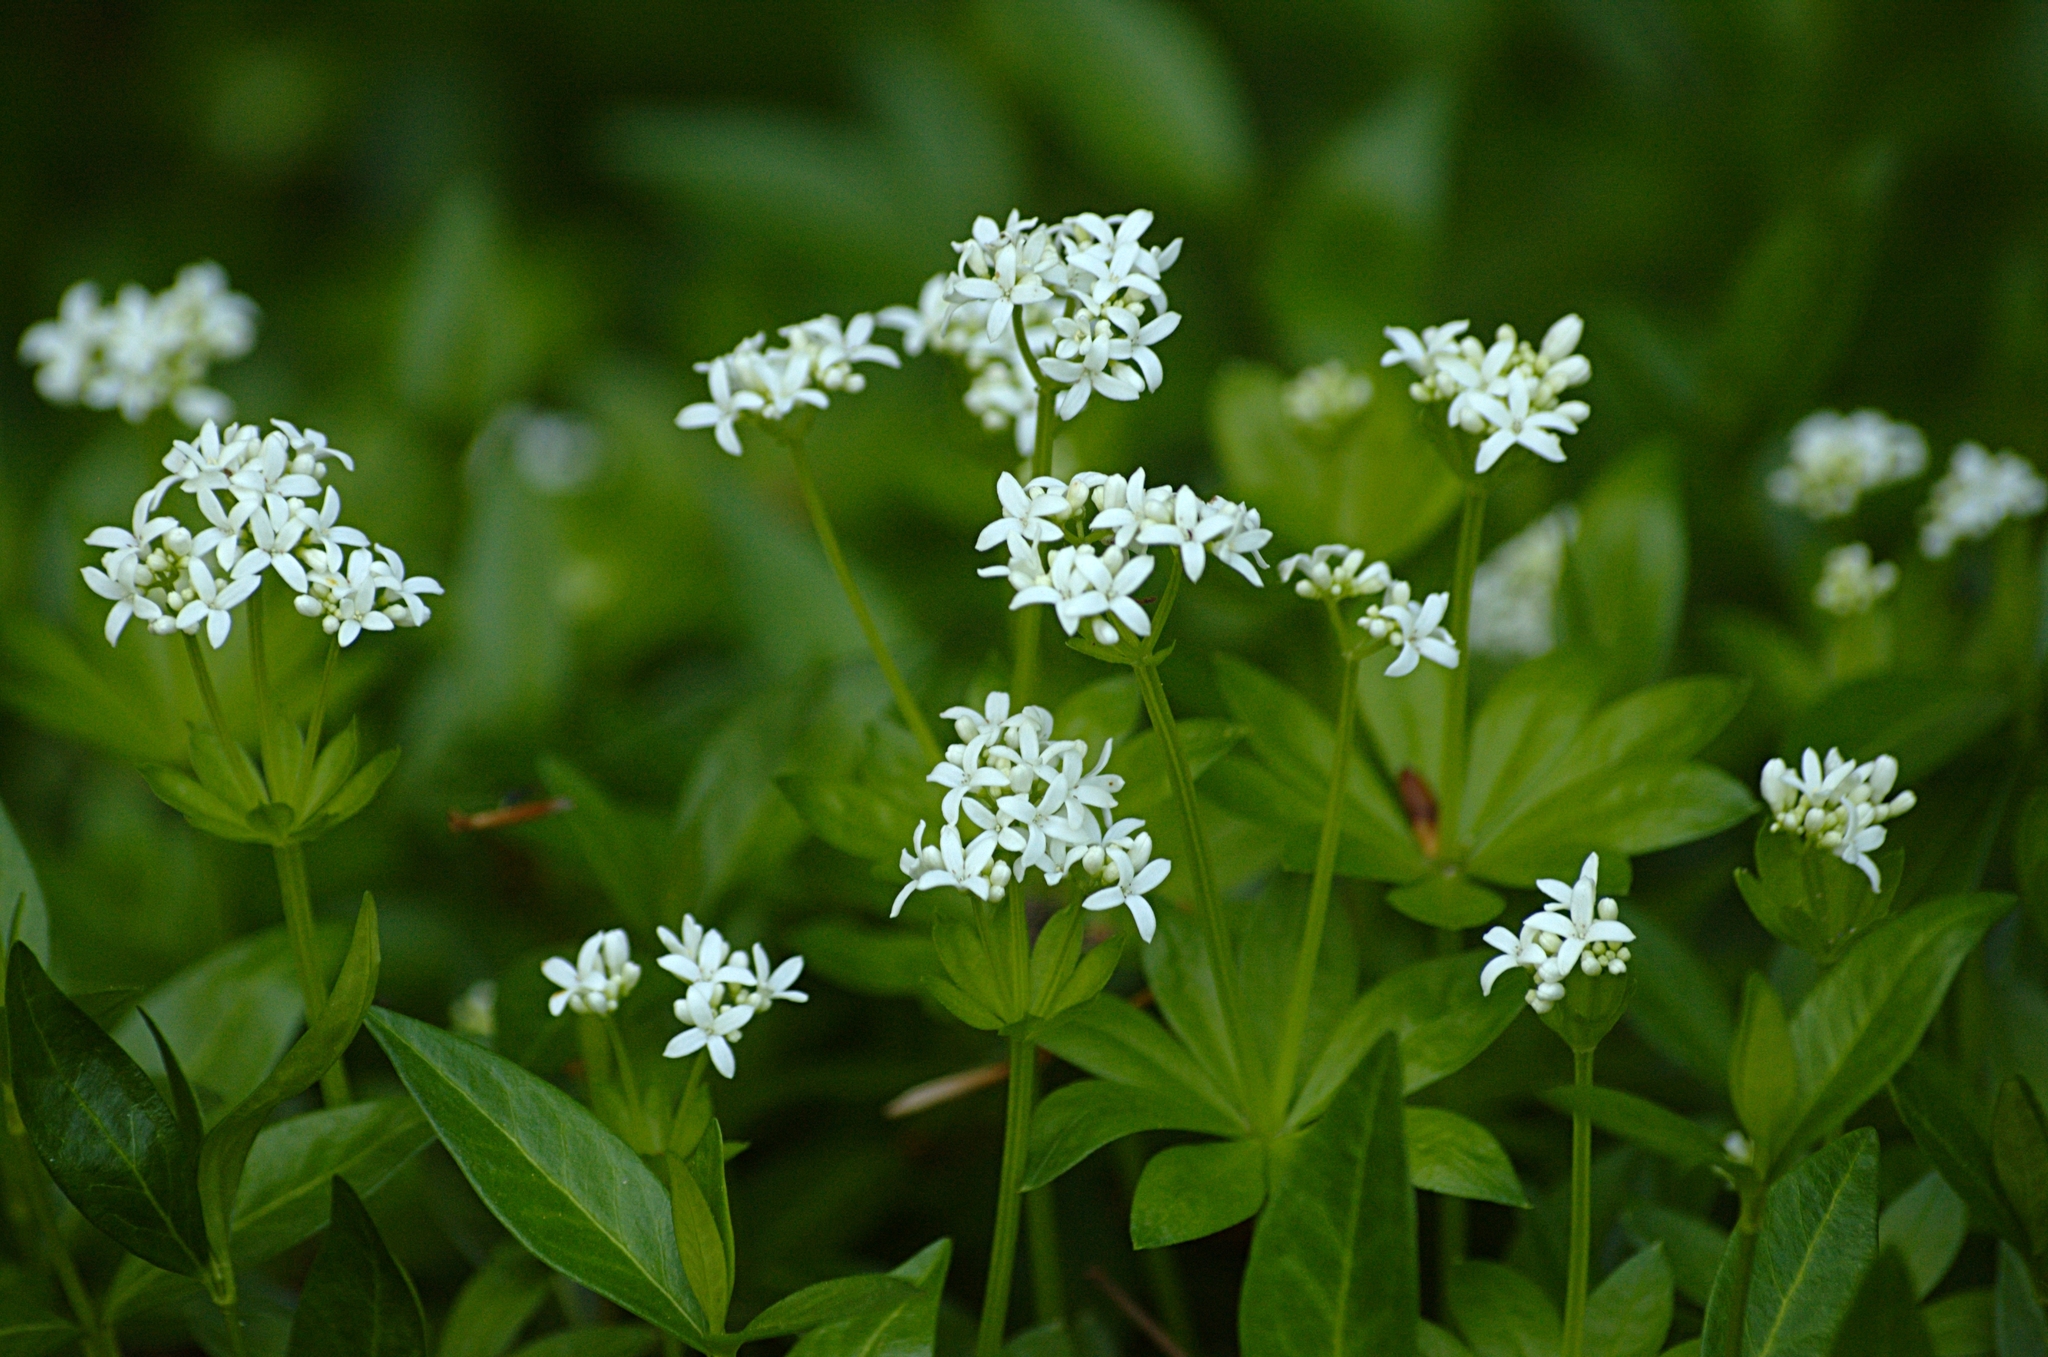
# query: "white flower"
[1835,458]
[118,587]
[310,450]
[1423,353]
[213,601]
[1415,629]
[1350,577]
[1091,356]
[1514,591]
[769,986]
[769,384]
[143,351]
[603,975]
[723,410]
[1508,393]
[1574,931]
[401,599]
[1979,492]
[1189,531]
[346,604]
[1738,1148]
[1516,423]
[709,1028]
[1328,394]
[1029,514]
[949,863]
[831,350]
[1836,804]
[1001,265]
[1237,545]
[127,545]
[700,956]
[1131,874]
[1850,584]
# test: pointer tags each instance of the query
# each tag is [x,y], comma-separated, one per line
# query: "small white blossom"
[700,956]
[603,975]
[143,351]
[1850,584]
[709,1028]
[212,602]
[1514,591]
[1835,458]
[1414,629]
[1574,931]
[1350,577]
[1979,492]
[1131,874]
[757,382]
[769,985]
[1836,804]
[401,592]
[475,1011]
[1326,395]
[726,988]
[1738,1148]
[1507,393]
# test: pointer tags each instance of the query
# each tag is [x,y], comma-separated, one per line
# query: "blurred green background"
[488,240]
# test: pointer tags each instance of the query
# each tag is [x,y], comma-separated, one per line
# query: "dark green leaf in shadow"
[1685,1014]
[2016,1310]
[1818,1239]
[1686,1143]
[1940,1112]
[496,1304]
[1693,1247]
[357,1301]
[904,1327]
[1884,1321]
[1924,1228]
[1629,1313]
[828,1302]
[1074,1122]
[1500,1312]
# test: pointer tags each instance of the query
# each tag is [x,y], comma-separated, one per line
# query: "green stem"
[1223,957]
[203,679]
[319,718]
[1747,1227]
[25,1179]
[1295,1025]
[1048,1285]
[231,1311]
[1452,1237]
[1579,1263]
[629,1084]
[1451,792]
[259,658]
[1002,1260]
[906,704]
[298,922]
[1024,666]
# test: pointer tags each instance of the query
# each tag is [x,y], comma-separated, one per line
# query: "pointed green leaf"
[1191,1191]
[1924,1227]
[1629,1313]
[1937,1109]
[231,1015]
[1962,1323]
[1693,1247]
[1819,1237]
[1763,1079]
[905,1327]
[567,1188]
[1333,1263]
[1635,809]
[23,914]
[332,768]
[1858,1025]
[183,1104]
[355,793]
[1884,1321]
[2016,1310]
[1458,1157]
[1520,734]
[1109,1038]
[622,1340]
[2019,1153]
[357,1301]
[704,1222]
[830,1302]
[1675,719]
[1655,1128]
[496,1304]
[109,1140]
[1685,1014]
[1500,1312]
[1075,1121]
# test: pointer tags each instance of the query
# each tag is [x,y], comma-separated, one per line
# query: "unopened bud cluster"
[1980,491]
[1508,393]
[1850,583]
[1324,396]
[1836,804]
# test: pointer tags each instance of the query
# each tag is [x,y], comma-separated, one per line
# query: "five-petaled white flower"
[722,412]
[604,974]
[212,602]
[1508,392]
[766,985]
[1416,630]
[710,1028]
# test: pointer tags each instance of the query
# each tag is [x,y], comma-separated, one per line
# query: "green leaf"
[1625,575]
[183,1105]
[284,1193]
[1938,1110]
[1858,1025]
[620,851]
[829,1302]
[2016,1310]
[703,1222]
[1434,1008]
[1692,1246]
[284,755]
[567,1188]
[2019,1154]
[1665,722]
[1763,1080]
[333,767]
[1962,1323]
[496,1304]
[201,808]
[1811,898]
[357,1300]
[1148,790]
[27,1329]
[23,915]
[1819,1237]
[1922,725]
[1191,1191]
[1406,718]
[1500,1312]
[1924,1226]
[1333,1263]
[223,1157]
[1635,809]
[1522,732]
[1110,1039]
[1178,969]
[1075,1121]
[1458,1157]
[109,1140]
[1629,1313]
[1685,1014]
[905,1327]
[1884,1320]
[1685,1143]
[356,793]
[622,1340]
[1721,1325]
[1447,900]
[1431,1341]
[232,1014]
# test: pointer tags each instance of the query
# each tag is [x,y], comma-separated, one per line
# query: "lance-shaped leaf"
[327,1036]
[1333,1265]
[1458,1157]
[1189,1191]
[1655,1128]
[110,1141]
[567,1188]
[1923,1229]
[1819,1237]
[830,1302]
[1763,1078]
[696,1185]
[1938,1110]
[1075,1121]
[357,1301]
[497,1302]
[1629,1313]
[904,1327]
[2019,1151]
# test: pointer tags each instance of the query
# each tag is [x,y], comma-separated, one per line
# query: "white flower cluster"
[1979,492]
[1349,577]
[603,975]
[1088,292]
[143,350]
[727,988]
[1836,457]
[266,510]
[1326,395]
[769,384]
[1836,804]
[1103,525]
[1507,393]
[1571,932]
[1031,801]
[1514,591]
[1414,629]
[1850,584]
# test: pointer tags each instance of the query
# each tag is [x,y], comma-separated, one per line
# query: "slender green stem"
[906,704]
[1048,1284]
[313,727]
[1024,666]
[1453,1214]
[259,656]
[629,1083]
[1747,1227]
[1295,1023]
[1223,956]
[298,922]
[1451,793]
[203,679]
[1579,1265]
[25,1179]
[1002,1260]
[231,1311]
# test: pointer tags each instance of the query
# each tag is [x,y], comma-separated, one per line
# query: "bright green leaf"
[1074,1122]
[1191,1191]
[904,1327]
[1629,1313]
[1819,1237]
[1458,1157]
